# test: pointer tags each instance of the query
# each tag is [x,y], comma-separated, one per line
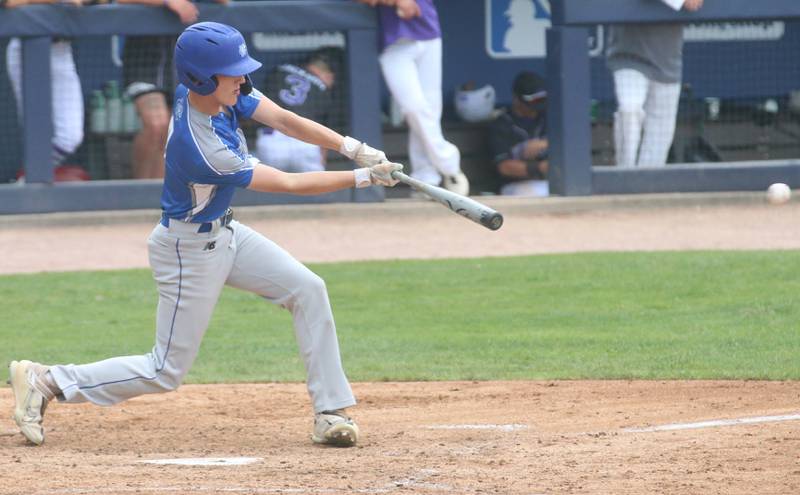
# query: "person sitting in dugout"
[518,139]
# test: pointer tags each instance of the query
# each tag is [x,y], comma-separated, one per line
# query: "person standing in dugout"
[411,62]
[646,61]
[198,247]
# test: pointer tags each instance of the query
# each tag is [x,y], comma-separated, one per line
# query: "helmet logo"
[242,50]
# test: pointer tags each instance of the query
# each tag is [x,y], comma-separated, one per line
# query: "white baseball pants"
[287,153]
[413,73]
[67,97]
[531,188]
[644,123]
[190,270]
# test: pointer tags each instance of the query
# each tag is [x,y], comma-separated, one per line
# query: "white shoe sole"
[340,435]
[18,379]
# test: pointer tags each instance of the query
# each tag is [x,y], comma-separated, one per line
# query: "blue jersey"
[206,159]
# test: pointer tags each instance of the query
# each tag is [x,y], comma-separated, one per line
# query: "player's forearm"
[269,179]
[512,168]
[10,4]
[289,123]
[309,131]
[534,149]
[692,5]
[522,169]
[309,183]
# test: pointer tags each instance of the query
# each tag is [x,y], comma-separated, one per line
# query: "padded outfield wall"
[474,50]
[37,24]
[570,85]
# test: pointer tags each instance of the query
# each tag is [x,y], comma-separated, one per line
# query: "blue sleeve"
[246,104]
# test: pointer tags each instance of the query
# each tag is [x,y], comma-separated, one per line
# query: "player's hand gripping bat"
[462,205]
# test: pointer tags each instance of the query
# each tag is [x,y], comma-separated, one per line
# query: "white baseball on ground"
[778,193]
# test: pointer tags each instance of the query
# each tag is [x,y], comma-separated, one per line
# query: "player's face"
[528,110]
[228,89]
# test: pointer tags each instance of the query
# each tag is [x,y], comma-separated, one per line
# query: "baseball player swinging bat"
[462,205]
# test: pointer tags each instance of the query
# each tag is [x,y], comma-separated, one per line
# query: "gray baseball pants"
[190,269]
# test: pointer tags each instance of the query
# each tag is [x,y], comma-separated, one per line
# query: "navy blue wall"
[745,69]
[465,54]
[759,68]
[722,69]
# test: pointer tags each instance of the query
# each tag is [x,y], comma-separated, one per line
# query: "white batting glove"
[381,174]
[361,153]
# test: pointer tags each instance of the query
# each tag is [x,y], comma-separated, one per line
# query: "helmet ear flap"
[193,79]
[247,86]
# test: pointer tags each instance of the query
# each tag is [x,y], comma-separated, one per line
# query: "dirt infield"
[609,437]
[437,438]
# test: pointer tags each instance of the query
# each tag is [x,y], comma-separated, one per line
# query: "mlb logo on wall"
[516,28]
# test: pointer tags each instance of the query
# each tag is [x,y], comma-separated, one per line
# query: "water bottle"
[98,120]
[113,107]
[713,105]
[129,117]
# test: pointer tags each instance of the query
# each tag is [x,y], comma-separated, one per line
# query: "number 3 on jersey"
[297,92]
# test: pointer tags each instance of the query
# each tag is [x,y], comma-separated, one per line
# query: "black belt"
[204,227]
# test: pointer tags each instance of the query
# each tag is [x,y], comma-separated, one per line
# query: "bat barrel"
[475,211]
[462,205]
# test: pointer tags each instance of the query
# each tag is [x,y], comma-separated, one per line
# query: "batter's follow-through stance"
[198,247]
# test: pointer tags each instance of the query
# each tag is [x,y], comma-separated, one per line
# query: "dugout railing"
[36,25]
[569,130]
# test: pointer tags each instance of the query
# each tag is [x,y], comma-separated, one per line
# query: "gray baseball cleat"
[30,403]
[334,428]
[457,183]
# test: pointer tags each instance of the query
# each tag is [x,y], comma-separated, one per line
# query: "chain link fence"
[738,100]
[94,109]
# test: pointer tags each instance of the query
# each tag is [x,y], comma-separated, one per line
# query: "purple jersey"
[424,27]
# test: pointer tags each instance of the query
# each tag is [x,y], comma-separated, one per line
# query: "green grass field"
[686,315]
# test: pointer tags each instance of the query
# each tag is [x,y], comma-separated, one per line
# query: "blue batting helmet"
[209,48]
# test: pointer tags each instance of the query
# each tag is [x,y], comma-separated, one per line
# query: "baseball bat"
[466,207]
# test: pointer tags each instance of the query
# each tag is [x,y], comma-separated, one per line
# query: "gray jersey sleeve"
[224,149]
